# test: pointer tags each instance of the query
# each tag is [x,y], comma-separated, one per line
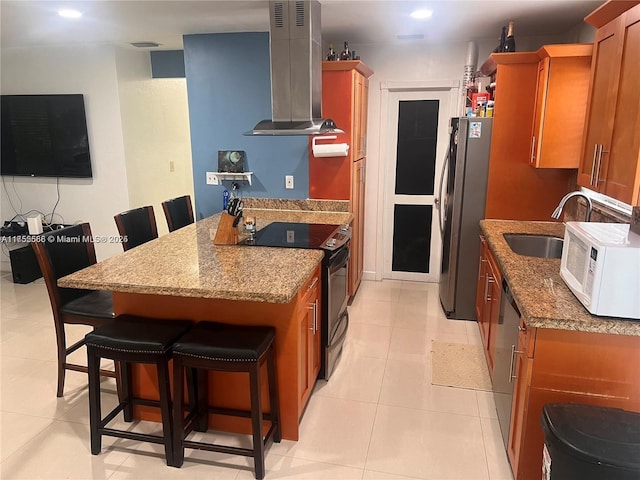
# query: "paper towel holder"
[329,149]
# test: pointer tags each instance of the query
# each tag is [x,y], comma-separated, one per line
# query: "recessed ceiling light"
[69,13]
[422,14]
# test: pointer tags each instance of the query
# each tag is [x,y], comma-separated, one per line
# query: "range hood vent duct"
[295,45]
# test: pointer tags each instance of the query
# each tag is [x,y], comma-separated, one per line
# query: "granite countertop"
[186,263]
[537,287]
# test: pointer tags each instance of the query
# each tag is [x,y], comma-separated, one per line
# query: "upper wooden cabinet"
[611,147]
[560,106]
[345,93]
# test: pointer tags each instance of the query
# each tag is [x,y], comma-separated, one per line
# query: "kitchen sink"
[541,246]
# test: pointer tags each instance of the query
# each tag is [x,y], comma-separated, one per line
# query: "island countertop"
[186,263]
[542,296]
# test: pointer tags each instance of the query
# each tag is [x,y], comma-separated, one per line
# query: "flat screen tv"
[44,136]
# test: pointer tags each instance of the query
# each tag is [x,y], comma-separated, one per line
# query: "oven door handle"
[338,260]
[340,339]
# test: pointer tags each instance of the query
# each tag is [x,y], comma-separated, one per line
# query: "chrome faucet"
[558,211]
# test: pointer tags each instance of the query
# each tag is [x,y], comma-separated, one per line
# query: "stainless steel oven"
[334,298]
[334,240]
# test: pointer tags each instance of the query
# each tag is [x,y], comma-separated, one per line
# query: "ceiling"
[30,23]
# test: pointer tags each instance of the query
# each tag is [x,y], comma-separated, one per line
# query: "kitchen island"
[563,354]
[183,275]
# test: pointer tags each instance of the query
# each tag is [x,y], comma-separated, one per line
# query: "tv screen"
[44,136]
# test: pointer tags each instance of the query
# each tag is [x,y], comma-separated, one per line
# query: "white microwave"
[601,266]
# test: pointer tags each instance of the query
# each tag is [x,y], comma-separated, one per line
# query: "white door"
[416,144]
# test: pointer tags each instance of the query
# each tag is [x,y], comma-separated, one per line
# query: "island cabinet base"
[564,366]
[230,390]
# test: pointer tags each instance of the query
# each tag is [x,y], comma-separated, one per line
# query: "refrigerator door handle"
[441,205]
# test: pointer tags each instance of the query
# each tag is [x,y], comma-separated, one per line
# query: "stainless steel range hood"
[296,71]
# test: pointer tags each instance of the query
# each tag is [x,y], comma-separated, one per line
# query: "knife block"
[226,234]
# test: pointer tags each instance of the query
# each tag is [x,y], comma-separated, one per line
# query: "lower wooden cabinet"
[563,366]
[488,298]
[309,318]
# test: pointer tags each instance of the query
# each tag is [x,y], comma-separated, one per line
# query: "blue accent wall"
[229,91]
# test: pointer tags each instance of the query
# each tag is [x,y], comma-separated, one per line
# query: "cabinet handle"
[522,329]
[312,284]
[514,352]
[593,163]
[314,324]
[600,152]
[533,150]
[489,279]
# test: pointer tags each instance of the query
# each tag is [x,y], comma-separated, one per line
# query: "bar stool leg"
[95,415]
[165,408]
[126,389]
[178,413]
[273,394]
[202,378]
[256,420]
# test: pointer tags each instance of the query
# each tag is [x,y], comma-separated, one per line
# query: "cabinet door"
[602,99]
[483,325]
[356,262]
[559,118]
[522,378]
[309,316]
[621,173]
[361,97]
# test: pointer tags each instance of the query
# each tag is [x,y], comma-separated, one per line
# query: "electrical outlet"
[288,182]
[212,179]
[172,166]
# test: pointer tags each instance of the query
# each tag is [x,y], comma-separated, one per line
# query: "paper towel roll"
[331,150]
[34,224]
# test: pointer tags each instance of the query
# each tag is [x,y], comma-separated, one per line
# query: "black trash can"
[586,442]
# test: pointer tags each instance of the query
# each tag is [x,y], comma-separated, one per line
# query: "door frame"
[386,88]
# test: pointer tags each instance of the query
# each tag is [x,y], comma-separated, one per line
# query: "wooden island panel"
[229,390]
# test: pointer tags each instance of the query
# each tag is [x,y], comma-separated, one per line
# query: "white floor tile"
[427,445]
[368,340]
[356,378]
[279,467]
[486,405]
[497,461]
[373,475]
[335,431]
[17,430]
[407,384]
[62,450]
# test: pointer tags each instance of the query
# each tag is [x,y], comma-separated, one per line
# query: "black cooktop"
[294,235]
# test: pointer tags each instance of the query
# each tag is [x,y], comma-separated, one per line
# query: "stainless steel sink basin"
[541,246]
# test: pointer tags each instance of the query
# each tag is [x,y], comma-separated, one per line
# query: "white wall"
[155,121]
[413,61]
[90,70]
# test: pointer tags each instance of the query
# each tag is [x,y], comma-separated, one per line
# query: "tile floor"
[378,418]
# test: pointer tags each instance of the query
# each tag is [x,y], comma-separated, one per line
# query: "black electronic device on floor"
[24,265]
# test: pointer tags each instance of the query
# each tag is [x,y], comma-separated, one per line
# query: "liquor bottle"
[510,43]
[503,40]
[345,54]
[332,56]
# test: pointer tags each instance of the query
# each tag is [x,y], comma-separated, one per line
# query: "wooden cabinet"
[560,107]
[611,147]
[519,407]
[309,318]
[513,187]
[345,88]
[488,298]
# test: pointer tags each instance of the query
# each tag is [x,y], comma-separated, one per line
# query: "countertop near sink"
[186,263]
[541,294]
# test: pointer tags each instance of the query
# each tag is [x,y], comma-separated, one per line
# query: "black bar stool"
[226,348]
[130,340]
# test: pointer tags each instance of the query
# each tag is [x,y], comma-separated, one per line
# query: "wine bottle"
[510,43]
[332,56]
[345,54]
[502,41]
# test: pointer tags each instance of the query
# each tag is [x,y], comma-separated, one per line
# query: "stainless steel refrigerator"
[461,204]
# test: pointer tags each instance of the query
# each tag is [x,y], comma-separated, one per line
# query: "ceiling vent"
[145,44]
